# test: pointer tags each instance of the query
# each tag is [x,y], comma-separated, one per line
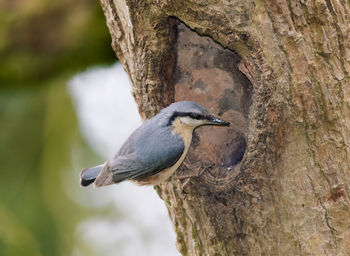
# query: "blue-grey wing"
[146,152]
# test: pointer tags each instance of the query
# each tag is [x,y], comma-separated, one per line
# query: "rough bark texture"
[277,181]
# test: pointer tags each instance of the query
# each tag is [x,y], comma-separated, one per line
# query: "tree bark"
[277,181]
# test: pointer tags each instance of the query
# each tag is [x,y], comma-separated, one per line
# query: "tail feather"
[105,177]
[88,176]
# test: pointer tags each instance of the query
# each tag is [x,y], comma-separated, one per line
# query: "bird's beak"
[217,121]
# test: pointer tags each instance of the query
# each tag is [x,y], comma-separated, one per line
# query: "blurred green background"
[42,44]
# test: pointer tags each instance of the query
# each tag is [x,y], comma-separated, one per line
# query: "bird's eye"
[196,116]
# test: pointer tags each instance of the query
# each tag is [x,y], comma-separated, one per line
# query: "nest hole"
[207,73]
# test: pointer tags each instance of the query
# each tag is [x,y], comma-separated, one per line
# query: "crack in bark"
[320,201]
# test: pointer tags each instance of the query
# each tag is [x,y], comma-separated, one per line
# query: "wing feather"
[142,156]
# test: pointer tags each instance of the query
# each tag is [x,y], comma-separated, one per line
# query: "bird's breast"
[186,135]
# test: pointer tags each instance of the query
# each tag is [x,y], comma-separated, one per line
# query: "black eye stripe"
[196,116]
[183,114]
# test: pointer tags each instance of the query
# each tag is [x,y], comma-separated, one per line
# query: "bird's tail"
[88,176]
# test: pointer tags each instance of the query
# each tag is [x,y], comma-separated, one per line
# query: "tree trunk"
[277,181]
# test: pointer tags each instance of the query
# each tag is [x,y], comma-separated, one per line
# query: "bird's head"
[192,115]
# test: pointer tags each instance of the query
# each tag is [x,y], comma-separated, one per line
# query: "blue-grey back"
[152,147]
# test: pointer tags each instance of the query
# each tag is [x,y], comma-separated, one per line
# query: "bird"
[155,150]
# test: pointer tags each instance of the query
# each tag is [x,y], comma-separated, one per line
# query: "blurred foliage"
[37,135]
[43,43]
[42,37]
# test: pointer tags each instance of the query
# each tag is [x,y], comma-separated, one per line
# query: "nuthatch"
[156,149]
